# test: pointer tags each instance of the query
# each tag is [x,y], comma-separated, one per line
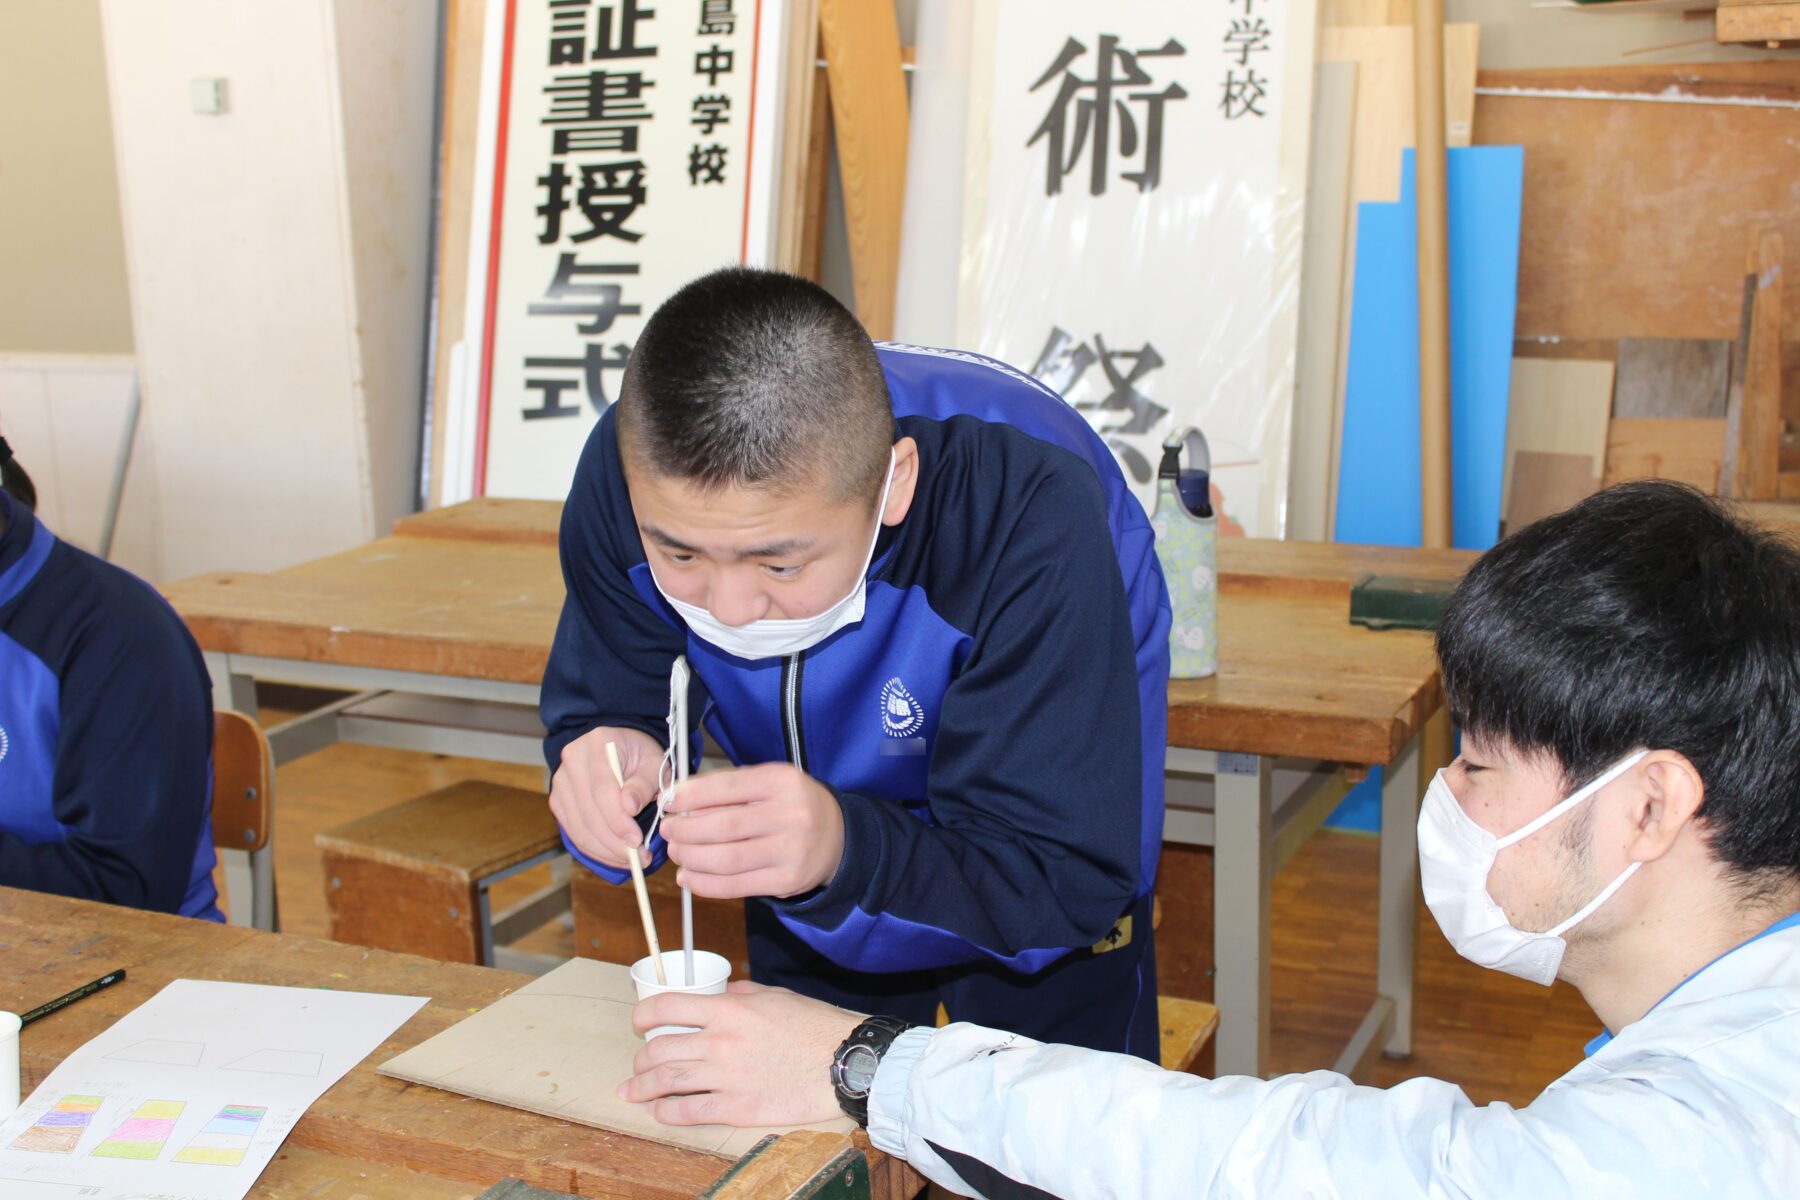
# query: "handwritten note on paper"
[189,1096]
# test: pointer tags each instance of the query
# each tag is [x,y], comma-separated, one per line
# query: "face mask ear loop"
[1531,827]
[1587,909]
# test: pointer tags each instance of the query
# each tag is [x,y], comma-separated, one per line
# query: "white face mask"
[1455,857]
[777,638]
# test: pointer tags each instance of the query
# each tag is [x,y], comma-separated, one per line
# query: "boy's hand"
[762,1057]
[768,830]
[599,816]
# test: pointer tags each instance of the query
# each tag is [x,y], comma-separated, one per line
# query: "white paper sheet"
[189,1096]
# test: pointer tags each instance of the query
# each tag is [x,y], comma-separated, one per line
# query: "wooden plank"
[861,42]
[1612,245]
[488,519]
[1557,406]
[1767,23]
[1317,421]
[1759,442]
[1687,451]
[1262,566]
[1545,484]
[1672,377]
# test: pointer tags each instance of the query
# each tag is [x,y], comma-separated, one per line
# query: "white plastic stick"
[638,886]
[678,686]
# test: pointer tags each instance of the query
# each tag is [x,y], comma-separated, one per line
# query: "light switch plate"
[207,96]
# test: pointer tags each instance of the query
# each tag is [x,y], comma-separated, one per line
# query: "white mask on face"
[777,638]
[1455,857]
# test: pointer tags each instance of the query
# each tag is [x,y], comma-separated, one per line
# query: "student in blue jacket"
[927,626]
[105,727]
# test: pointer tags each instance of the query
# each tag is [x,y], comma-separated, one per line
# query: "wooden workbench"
[471,592]
[368,1136]
[462,603]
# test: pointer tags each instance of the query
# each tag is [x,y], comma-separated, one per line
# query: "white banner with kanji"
[1136,173]
[626,146]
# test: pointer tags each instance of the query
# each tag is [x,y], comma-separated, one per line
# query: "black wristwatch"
[853,1066]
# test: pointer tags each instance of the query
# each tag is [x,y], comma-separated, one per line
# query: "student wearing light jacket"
[1625,815]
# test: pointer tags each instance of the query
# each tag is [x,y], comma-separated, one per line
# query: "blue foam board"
[1379,475]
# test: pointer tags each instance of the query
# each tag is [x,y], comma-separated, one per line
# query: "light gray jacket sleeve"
[991,1114]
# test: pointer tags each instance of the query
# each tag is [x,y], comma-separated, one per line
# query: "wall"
[277,257]
[61,256]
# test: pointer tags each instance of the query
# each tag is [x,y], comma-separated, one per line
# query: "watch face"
[859,1069]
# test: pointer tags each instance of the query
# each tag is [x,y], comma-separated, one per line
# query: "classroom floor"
[1499,1038]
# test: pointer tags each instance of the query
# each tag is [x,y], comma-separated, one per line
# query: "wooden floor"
[1499,1038]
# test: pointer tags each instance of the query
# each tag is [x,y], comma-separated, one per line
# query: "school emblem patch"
[901,715]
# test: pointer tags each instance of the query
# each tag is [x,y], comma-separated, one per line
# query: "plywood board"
[1686,451]
[560,1046]
[1544,484]
[1317,423]
[1672,377]
[1557,406]
[1637,210]
[1384,91]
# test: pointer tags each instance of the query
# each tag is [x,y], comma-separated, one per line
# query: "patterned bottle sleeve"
[1188,548]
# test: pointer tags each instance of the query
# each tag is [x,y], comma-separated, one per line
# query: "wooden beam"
[861,41]
[1434,272]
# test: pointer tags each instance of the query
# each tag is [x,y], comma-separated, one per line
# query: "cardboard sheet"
[560,1046]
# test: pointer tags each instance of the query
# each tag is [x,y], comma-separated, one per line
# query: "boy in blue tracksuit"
[105,727]
[926,623]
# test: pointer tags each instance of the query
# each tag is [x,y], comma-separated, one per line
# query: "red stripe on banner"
[493,264]
[750,142]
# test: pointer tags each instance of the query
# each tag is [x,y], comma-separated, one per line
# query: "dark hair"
[13,479]
[1647,616]
[758,379]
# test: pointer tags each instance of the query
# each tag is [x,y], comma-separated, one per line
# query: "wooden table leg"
[1243,871]
[1397,950]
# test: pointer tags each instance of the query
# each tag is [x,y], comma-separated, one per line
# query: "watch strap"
[874,1034]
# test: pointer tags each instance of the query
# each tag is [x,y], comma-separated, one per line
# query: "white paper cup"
[711,972]
[9,1063]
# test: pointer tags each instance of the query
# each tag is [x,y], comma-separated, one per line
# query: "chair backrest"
[243,782]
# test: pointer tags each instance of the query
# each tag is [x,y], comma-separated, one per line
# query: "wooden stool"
[1187,1025]
[415,877]
[607,925]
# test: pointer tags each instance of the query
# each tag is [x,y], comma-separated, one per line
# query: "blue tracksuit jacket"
[105,731]
[993,728]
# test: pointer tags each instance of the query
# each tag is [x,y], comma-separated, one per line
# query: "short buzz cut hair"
[762,380]
[1648,616]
